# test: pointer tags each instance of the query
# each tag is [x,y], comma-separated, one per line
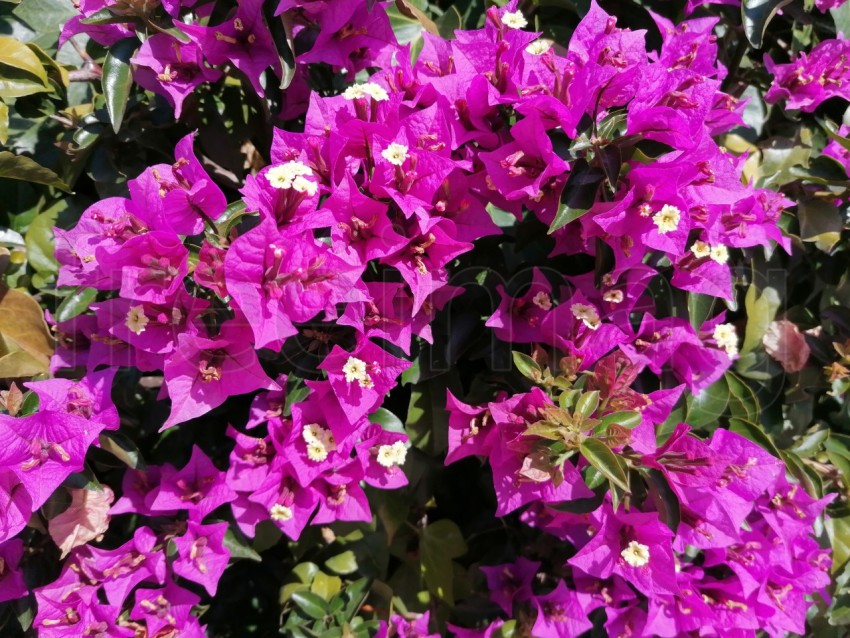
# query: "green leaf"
[281,30]
[23,168]
[743,402]
[109,15]
[387,420]
[665,500]
[708,405]
[527,366]
[605,461]
[239,547]
[439,543]
[298,579]
[820,223]
[587,404]
[75,304]
[232,215]
[326,586]
[118,79]
[756,15]
[811,443]
[39,241]
[4,123]
[578,195]
[761,310]
[625,419]
[699,308]
[427,421]
[122,447]
[344,563]
[804,473]
[449,22]
[311,604]
[21,72]
[839,535]
[565,215]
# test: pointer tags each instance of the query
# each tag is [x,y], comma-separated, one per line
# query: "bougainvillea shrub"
[325,318]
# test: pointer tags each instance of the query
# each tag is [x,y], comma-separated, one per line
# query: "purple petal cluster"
[310,300]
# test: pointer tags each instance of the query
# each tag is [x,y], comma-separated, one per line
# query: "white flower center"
[726,338]
[320,441]
[539,47]
[356,370]
[667,218]
[390,455]
[636,554]
[588,315]
[136,319]
[514,20]
[542,301]
[720,254]
[280,512]
[701,249]
[613,296]
[395,154]
[370,89]
[292,174]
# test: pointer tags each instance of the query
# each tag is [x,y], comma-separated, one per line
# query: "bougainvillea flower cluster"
[341,253]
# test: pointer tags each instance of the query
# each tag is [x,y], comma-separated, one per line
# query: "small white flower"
[390,455]
[636,554]
[726,338]
[136,319]
[720,253]
[539,46]
[588,315]
[280,512]
[400,452]
[395,154]
[613,296]
[667,219]
[320,442]
[370,89]
[356,370]
[542,300]
[292,174]
[701,249]
[514,20]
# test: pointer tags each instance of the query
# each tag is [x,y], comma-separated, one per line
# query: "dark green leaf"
[756,14]
[439,543]
[664,499]
[23,168]
[804,473]
[387,420]
[700,308]
[527,366]
[75,304]
[39,240]
[811,443]
[239,547]
[587,404]
[603,459]
[122,448]
[118,79]
[311,604]
[625,419]
[579,194]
